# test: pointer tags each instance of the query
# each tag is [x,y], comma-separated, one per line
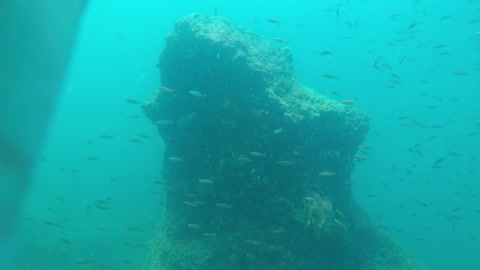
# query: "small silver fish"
[326,52]
[278,131]
[329,75]
[132,101]
[196,94]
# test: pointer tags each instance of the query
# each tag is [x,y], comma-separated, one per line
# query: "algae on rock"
[256,166]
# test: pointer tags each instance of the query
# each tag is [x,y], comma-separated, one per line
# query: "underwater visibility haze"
[263,135]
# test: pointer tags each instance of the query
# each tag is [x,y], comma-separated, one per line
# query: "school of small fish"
[430,153]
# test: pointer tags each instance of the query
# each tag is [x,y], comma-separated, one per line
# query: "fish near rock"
[196,94]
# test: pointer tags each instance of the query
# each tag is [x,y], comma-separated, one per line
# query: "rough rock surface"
[257,167]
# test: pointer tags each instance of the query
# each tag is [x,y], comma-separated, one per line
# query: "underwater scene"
[198,135]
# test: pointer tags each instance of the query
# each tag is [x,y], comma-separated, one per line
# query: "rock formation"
[257,167]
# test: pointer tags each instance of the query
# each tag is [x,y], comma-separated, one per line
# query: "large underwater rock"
[257,167]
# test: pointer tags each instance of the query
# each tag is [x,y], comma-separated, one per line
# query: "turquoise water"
[413,66]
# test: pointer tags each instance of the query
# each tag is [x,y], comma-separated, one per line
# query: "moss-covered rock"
[256,165]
